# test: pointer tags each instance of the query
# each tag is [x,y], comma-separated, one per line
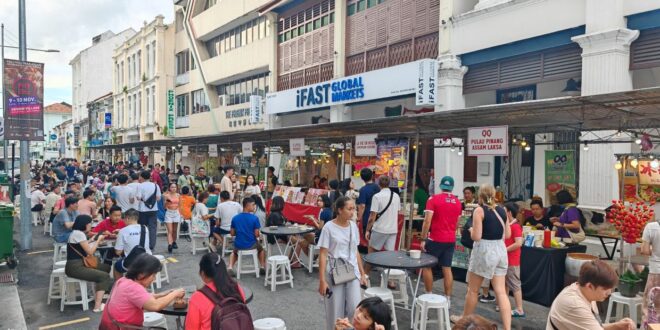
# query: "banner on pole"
[426,86]
[213,150]
[23,100]
[365,145]
[559,173]
[171,118]
[246,149]
[297,147]
[255,109]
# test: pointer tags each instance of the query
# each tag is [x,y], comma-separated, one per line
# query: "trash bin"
[7,234]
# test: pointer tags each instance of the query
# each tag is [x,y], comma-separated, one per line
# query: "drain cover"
[6,278]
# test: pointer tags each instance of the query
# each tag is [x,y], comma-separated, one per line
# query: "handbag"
[198,226]
[342,270]
[90,261]
[577,237]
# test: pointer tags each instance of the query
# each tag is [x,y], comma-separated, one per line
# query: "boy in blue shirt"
[245,229]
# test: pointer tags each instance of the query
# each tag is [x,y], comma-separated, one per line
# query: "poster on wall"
[213,150]
[297,147]
[246,149]
[559,173]
[392,161]
[365,145]
[23,100]
[649,181]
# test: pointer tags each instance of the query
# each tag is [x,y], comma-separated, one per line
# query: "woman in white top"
[201,212]
[339,240]
[251,186]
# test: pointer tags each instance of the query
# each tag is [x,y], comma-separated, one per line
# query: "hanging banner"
[163,151]
[184,151]
[246,149]
[133,151]
[297,147]
[426,86]
[213,150]
[23,100]
[393,161]
[255,109]
[171,118]
[365,145]
[108,120]
[488,141]
[559,173]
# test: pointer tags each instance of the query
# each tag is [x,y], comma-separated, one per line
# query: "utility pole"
[26,213]
[2,69]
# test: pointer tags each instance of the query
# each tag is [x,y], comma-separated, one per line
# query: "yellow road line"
[57,325]
[38,252]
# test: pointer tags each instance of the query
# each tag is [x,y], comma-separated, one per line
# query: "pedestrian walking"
[148,194]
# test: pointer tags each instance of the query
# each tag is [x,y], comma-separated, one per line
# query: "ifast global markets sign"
[415,78]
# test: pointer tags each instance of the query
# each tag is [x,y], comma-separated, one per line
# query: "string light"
[637,139]
[634,162]
[460,151]
[528,148]
[618,165]
[586,147]
[523,143]
[515,140]
[545,138]
[618,133]
[655,164]
[452,148]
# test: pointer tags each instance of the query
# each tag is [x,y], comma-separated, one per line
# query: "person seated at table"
[276,218]
[474,322]
[129,298]
[221,226]
[538,219]
[245,229]
[78,247]
[213,272]
[104,210]
[128,238]
[324,216]
[575,307]
[569,226]
[63,221]
[260,210]
[87,205]
[112,224]
[371,314]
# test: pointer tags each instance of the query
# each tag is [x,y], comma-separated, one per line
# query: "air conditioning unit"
[222,100]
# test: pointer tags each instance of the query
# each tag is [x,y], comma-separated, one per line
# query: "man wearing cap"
[442,212]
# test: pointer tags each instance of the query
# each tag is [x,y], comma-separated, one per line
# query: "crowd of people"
[127,203]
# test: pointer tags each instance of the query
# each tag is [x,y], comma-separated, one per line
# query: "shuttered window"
[548,65]
[470,168]
[645,51]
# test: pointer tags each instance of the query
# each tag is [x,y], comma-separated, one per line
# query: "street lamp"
[37,50]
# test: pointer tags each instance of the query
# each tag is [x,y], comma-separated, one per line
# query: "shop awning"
[637,109]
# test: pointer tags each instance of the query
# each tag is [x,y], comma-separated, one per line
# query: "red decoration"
[630,219]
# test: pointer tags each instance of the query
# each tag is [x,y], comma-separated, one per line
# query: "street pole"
[2,65]
[26,213]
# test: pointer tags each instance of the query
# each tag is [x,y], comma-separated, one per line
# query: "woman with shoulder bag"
[490,226]
[340,265]
[81,262]
[568,225]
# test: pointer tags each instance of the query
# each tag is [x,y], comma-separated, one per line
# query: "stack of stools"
[270,323]
[163,275]
[57,278]
[239,265]
[427,302]
[401,278]
[275,264]
[633,303]
[387,296]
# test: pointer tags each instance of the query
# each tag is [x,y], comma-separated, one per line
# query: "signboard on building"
[255,109]
[559,173]
[184,151]
[213,150]
[108,120]
[76,136]
[405,79]
[171,116]
[297,147]
[145,150]
[365,145]
[163,151]
[426,93]
[488,141]
[23,100]
[246,149]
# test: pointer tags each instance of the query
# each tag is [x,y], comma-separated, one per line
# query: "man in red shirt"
[442,212]
[513,247]
[111,225]
[155,176]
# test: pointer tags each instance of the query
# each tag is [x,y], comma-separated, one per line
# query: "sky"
[68,26]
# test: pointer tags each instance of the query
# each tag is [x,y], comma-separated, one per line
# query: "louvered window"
[552,64]
[645,51]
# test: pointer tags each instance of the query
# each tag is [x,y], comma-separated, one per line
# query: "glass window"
[280,38]
[381,1]
[301,30]
[262,28]
[361,5]
[243,41]
[309,27]
[210,47]
[232,40]
[181,108]
[325,20]
[317,23]
[267,27]
[238,38]
[332,18]
[248,31]
[287,35]
[371,3]
[231,93]
[248,89]
[294,33]
[351,9]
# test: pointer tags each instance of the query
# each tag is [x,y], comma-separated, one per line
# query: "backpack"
[151,201]
[228,313]
[138,250]
[466,239]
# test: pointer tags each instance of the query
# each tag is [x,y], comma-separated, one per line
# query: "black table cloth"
[542,272]
[399,260]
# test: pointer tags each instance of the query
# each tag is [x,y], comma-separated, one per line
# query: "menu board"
[313,195]
[392,160]
[290,194]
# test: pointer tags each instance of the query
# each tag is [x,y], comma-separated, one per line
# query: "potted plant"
[629,284]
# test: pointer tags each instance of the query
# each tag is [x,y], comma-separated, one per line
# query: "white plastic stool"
[387,296]
[270,323]
[59,264]
[426,302]
[70,292]
[274,264]
[401,277]
[309,262]
[194,247]
[255,259]
[59,251]
[57,278]
[226,248]
[178,229]
[631,302]
[161,228]
[163,275]
[48,227]
[36,217]
[154,320]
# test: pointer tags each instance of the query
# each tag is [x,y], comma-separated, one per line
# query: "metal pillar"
[412,196]
[26,214]
[2,65]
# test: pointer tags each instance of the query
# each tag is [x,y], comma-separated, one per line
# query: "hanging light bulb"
[586,147]
[618,133]
[415,146]
[618,165]
[651,156]
[515,140]
[333,149]
[528,148]
[304,160]
[452,148]
[637,139]
[523,143]
[314,162]
[545,138]
[327,161]
[460,151]
[633,162]
[655,164]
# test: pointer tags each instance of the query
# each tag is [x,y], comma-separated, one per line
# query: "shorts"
[172,216]
[443,251]
[255,246]
[119,266]
[489,258]
[219,231]
[512,278]
[378,241]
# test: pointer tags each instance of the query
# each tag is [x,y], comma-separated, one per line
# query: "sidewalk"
[11,313]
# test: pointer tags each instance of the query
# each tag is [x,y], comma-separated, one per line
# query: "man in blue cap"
[441,218]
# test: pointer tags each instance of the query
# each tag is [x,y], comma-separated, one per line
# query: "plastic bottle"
[546,238]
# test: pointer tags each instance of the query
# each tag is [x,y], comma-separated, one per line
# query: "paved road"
[299,307]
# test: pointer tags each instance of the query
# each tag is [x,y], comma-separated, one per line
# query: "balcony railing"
[182,122]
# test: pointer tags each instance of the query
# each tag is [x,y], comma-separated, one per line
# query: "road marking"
[57,325]
[172,260]
[38,252]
